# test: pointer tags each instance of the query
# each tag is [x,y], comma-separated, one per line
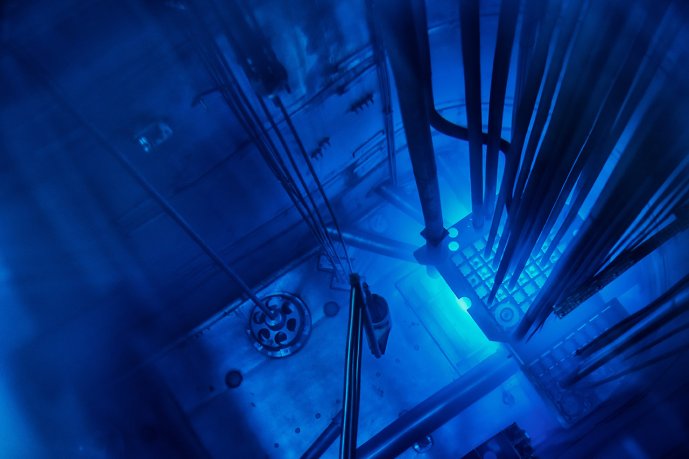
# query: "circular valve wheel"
[286,332]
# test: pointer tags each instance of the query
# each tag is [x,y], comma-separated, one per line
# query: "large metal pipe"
[409,61]
[439,408]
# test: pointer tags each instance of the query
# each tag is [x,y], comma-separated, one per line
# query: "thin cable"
[253,120]
[239,104]
[300,176]
[309,164]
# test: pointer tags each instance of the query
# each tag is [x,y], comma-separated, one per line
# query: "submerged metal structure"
[208,202]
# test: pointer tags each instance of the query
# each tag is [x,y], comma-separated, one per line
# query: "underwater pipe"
[413,80]
[626,343]
[352,385]
[377,244]
[325,439]
[428,415]
[439,408]
[507,24]
[469,17]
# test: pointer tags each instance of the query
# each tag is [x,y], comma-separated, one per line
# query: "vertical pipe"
[507,24]
[350,409]
[409,58]
[471,57]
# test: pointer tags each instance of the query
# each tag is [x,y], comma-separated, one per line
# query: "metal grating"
[467,248]
[510,303]
[552,366]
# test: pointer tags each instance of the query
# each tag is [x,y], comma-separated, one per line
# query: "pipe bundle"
[597,95]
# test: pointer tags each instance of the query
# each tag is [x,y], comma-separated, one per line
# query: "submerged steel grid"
[510,302]
[469,256]
[577,401]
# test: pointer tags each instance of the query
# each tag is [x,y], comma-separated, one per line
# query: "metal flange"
[284,334]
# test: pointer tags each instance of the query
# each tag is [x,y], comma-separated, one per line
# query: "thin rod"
[507,24]
[239,103]
[320,225]
[634,338]
[352,383]
[325,439]
[617,330]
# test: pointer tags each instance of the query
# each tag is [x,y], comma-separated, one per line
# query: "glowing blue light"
[453,246]
[464,303]
[453,232]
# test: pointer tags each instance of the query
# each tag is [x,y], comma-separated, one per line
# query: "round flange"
[286,332]
[507,315]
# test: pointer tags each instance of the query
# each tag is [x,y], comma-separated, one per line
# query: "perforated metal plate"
[284,334]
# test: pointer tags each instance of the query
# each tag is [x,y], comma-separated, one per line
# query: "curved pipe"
[447,127]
